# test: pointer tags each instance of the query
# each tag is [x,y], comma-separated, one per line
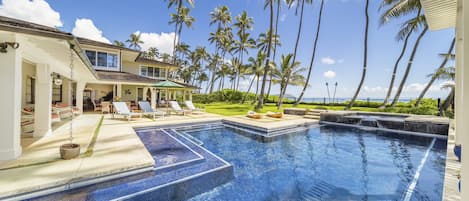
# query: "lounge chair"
[147,110]
[191,107]
[105,107]
[97,107]
[254,115]
[274,114]
[177,109]
[120,108]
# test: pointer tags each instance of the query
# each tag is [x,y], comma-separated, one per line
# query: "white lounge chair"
[177,109]
[191,107]
[120,108]
[147,110]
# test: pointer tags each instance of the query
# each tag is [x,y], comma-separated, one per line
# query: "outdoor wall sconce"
[127,91]
[57,80]
[4,46]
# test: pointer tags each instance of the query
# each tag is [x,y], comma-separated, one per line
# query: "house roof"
[21,26]
[115,76]
[440,14]
[144,60]
[124,77]
[86,41]
[16,25]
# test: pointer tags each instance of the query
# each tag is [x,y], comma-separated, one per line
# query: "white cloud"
[283,17]
[162,41]
[329,74]
[85,28]
[36,11]
[328,60]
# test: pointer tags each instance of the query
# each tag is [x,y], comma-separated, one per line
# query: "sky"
[339,56]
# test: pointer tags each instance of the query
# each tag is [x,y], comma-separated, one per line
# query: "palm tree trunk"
[249,89]
[282,93]
[267,61]
[448,101]
[174,42]
[365,55]
[442,65]
[409,66]
[275,51]
[393,76]
[308,77]
[257,90]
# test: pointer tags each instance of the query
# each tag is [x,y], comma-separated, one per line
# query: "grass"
[231,109]
[90,149]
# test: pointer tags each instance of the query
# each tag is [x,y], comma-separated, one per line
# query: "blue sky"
[340,47]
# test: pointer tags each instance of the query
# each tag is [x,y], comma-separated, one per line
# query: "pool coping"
[443,137]
[184,179]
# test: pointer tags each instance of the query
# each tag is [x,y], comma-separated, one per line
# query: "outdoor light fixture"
[4,46]
[57,79]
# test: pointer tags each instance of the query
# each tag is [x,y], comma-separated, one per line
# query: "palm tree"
[365,54]
[152,53]
[134,41]
[298,36]
[308,77]
[183,49]
[256,69]
[165,57]
[262,43]
[449,74]
[118,43]
[241,46]
[414,23]
[182,17]
[221,16]
[396,10]
[179,5]
[287,69]
[447,56]
[203,77]
[260,103]
[243,23]
[284,72]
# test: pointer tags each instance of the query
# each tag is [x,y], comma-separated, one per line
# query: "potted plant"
[69,151]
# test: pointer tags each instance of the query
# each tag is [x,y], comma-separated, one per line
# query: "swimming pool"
[327,163]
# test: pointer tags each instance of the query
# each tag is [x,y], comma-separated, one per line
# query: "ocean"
[343,100]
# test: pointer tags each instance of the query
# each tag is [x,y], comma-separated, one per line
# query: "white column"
[190,95]
[153,98]
[79,95]
[119,90]
[184,95]
[462,127]
[459,116]
[10,80]
[42,106]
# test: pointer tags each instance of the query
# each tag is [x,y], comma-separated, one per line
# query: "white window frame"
[163,76]
[107,68]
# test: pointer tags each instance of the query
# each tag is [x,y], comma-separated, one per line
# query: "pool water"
[327,163]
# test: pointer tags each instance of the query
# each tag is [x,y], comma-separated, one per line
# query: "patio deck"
[116,149]
[453,167]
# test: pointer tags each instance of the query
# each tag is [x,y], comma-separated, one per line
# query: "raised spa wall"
[403,122]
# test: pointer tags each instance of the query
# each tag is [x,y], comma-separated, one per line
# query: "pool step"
[313,114]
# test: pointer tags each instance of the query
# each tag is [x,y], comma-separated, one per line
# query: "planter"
[457,152]
[69,151]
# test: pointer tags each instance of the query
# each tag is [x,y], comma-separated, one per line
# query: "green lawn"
[230,109]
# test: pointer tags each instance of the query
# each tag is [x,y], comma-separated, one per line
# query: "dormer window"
[103,60]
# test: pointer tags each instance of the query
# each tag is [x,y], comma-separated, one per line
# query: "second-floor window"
[152,72]
[103,60]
